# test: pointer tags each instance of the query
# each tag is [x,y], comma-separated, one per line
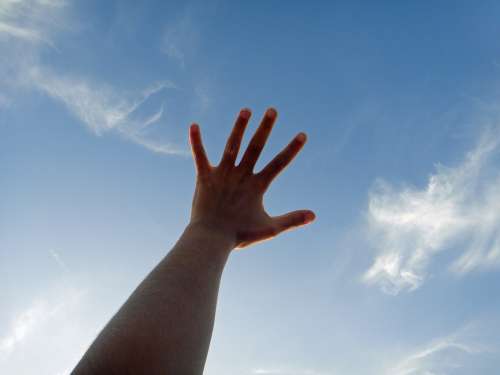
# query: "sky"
[398,275]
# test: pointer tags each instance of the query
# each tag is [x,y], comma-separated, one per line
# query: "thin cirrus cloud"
[19,32]
[443,354]
[57,258]
[103,110]
[42,311]
[23,325]
[100,107]
[28,20]
[458,211]
[181,36]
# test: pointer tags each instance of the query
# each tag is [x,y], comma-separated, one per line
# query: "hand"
[229,198]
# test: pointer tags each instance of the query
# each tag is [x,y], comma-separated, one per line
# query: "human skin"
[166,325]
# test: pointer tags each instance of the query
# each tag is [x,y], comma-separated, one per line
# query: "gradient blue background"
[384,90]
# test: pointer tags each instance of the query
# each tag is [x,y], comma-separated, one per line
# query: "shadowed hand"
[229,198]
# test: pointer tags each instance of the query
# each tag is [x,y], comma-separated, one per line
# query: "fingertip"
[245,113]
[194,128]
[302,137]
[271,113]
[309,216]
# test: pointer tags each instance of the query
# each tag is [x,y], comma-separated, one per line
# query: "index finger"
[199,154]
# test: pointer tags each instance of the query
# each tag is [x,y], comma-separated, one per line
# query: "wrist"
[214,234]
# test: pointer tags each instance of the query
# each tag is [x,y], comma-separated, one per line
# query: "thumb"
[292,220]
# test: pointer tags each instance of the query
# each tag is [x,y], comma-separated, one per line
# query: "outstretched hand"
[229,198]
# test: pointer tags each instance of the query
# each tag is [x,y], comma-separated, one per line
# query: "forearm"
[166,324]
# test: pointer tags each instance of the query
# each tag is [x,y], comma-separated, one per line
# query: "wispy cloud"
[99,107]
[179,36]
[26,322]
[102,109]
[57,258]
[19,32]
[428,361]
[439,356]
[458,210]
[28,20]
[22,325]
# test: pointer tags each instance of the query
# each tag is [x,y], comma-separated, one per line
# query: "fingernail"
[309,216]
[301,137]
[195,128]
[245,113]
[271,113]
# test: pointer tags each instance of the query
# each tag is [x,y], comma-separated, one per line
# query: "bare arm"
[166,325]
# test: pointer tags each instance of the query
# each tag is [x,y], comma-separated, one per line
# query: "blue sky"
[399,273]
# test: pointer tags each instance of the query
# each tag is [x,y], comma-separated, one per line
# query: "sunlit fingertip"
[245,113]
[271,113]
[309,216]
[301,137]
[194,128]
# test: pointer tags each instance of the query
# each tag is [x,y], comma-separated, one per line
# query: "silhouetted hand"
[229,199]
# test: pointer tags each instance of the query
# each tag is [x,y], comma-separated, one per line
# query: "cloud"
[441,355]
[26,30]
[27,322]
[102,109]
[28,20]
[59,320]
[201,93]
[22,325]
[179,38]
[57,258]
[458,210]
[427,361]
[171,49]
[18,32]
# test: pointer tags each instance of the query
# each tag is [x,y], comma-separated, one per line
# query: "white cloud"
[18,32]
[28,20]
[22,325]
[27,322]
[102,109]
[440,355]
[59,320]
[180,36]
[426,361]
[57,258]
[459,205]
[171,49]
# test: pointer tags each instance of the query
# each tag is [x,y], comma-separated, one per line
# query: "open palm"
[229,198]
